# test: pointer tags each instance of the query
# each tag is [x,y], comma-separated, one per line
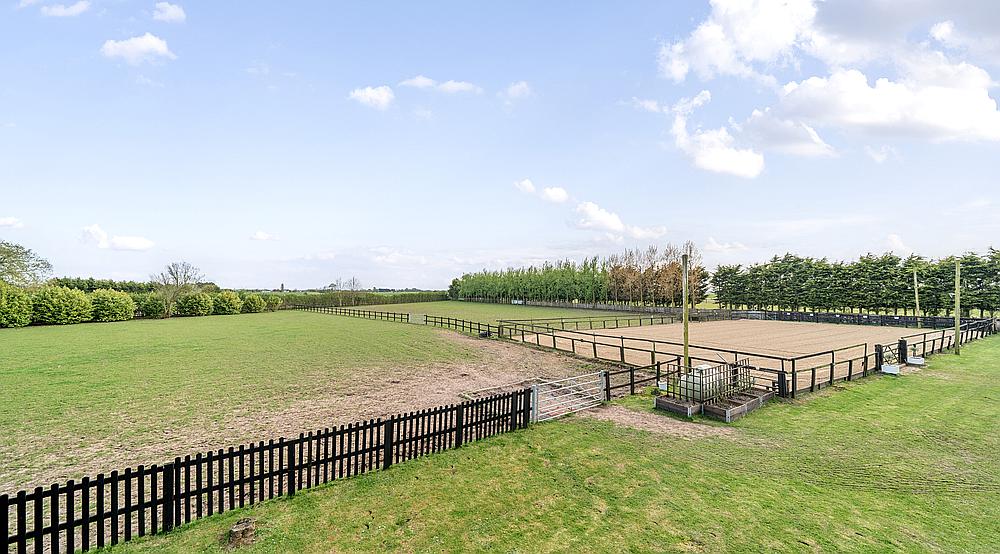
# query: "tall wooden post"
[916,296]
[684,298]
[958,307]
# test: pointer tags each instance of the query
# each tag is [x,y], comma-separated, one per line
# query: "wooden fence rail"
[116,507]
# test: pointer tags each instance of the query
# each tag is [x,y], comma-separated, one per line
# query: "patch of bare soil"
[658,424]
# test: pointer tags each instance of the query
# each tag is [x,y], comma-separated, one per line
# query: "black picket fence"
[109,509]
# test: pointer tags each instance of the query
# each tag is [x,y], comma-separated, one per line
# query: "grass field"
[85,398]
[485,313]
[884,464]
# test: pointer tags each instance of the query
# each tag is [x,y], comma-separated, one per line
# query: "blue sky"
[405,144]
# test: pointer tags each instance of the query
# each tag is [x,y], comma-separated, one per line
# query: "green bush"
[227,302]
[273,302]
[59,306]
[15,306]
[194,304]
[253,303]
[150,305]
[112,305]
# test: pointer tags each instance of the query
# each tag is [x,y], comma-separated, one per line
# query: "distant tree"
[176,280]
[20,266]
[456,284]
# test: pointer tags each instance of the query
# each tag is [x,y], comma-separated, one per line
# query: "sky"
[407,143]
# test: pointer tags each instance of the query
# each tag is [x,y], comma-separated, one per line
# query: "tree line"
[872,283]
[651,277]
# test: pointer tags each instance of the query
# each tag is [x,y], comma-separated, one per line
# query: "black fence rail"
[594,322]
[353,312]
[463,325]
[113,508]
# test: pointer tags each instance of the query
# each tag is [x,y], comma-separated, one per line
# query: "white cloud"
[651,106]
[384,255]
[26,3]
[10,223]
[712,149]
[515,91]
[450,87]
[896,244]
[595,218]
[146,81]
[525,185]
[380,97]
[713,245]
[60,10]
[136,50]
[261,235]
[94,234]
[557,195]
[419,82]
[459,86]
[767,132]
[939,101]
[170,13]
[881,153]
[737,34]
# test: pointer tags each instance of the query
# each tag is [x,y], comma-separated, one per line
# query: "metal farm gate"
[553,398]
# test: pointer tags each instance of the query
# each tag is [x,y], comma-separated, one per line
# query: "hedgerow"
[15,306]
[60,306]
[197,304]
[227,302]
[112,305]
[253,303]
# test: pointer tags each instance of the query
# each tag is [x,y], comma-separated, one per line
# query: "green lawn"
[69,392]
[878,465]
[485,313]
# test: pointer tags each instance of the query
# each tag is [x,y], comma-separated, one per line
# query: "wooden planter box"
[685,408]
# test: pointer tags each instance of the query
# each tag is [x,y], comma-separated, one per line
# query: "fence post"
[459,424]
[658,373]
[290,454]
[631,380]
[879,357]
[526,398]
[387,442]
[534,403]
[168,497]
[607,386]
[782,384]
[795,379]
[903,355]
[513,411]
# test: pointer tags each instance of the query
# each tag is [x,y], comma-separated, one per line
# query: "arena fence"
[111,508]
[711,314]
[351,312]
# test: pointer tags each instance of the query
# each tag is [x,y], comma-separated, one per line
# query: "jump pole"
[684,298]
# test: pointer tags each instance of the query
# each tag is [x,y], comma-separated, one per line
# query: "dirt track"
[767,344]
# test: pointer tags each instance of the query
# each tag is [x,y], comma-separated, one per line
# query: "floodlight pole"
[684,297]
[916,295]
[958,307]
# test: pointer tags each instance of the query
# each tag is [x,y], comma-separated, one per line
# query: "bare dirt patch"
[657,423]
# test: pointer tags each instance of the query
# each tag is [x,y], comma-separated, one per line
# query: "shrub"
[273,302]
[253,303]
[112,305]
[15,306]
[227,302]
[194,304]
[59,306]
[150,305]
